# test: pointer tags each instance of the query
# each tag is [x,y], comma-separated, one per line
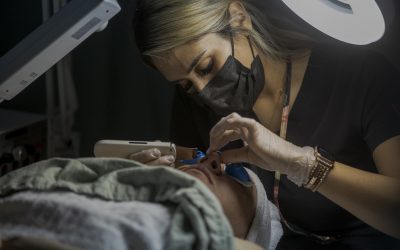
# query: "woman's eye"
[188,87]
[191,90]
[207,70]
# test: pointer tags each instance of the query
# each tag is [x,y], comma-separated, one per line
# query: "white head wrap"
[266,229]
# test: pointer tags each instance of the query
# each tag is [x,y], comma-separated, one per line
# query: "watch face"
[325,154]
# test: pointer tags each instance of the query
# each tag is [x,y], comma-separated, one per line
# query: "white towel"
[266,229]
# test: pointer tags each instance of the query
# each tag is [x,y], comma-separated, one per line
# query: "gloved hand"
[153,157]
[262,148]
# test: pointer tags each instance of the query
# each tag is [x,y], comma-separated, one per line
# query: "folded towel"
[96,203]
[85,222]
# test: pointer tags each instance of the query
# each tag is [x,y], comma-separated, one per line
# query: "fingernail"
[219,153]
[156,153]
[170,159]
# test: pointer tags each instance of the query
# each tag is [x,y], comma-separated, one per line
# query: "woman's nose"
[212,162]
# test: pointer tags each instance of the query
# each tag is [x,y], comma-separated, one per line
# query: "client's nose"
[212,162]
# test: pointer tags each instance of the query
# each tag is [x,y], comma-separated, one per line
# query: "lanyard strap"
[282,134]
[284,123]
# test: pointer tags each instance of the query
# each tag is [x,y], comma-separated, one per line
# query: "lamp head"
[358,22]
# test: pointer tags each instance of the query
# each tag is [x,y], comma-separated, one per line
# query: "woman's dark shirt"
[348,104]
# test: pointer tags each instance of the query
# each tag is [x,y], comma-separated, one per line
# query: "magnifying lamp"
[49,43]
[358,22]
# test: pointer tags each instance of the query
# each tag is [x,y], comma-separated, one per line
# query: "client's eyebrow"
[196,61]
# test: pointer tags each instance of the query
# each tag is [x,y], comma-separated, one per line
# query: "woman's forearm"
[373,198]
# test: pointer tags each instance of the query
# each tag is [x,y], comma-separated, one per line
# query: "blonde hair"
[162,25]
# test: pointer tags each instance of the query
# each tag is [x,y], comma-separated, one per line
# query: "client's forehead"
[212,179]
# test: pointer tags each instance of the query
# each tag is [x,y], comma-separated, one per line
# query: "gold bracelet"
[322,179]
[324,164]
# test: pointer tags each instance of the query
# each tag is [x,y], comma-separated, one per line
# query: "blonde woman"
[321,124]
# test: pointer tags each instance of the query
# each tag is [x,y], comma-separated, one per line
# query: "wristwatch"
[324,163]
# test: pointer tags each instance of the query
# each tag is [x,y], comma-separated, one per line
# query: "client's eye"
[205,67]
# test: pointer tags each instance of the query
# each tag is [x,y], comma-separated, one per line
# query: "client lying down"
[99,203]
[251,215]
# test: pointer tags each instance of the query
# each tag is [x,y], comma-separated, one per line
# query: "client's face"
[237,200]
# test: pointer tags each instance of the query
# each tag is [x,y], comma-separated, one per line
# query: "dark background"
[121,98]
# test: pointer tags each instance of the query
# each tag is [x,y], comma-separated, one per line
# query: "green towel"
[198,221]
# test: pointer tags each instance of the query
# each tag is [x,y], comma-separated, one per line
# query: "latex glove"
[153,157]
[262,148]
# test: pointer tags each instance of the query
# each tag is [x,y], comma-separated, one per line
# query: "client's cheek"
[195,173]
[212,188]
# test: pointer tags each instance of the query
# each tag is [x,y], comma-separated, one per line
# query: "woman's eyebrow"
[196,61]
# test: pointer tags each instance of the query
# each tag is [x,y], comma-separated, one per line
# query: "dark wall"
[120,97]
[389,45]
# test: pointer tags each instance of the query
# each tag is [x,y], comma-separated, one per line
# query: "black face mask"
[235,88]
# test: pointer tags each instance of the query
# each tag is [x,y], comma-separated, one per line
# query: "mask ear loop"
[254,57]
[251,47]
[232,44]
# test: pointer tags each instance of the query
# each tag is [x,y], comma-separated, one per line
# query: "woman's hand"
[153,157]
[262,148]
